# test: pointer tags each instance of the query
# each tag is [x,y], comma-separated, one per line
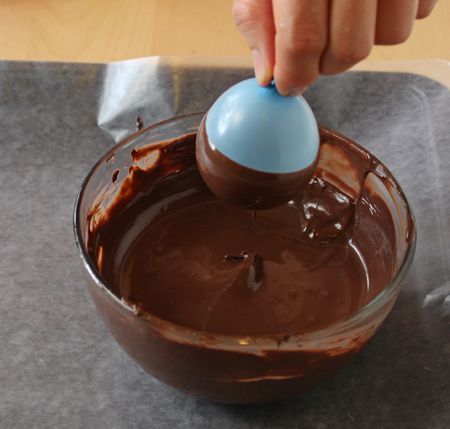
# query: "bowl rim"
[314,340]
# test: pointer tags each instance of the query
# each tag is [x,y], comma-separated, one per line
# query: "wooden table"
[107,30]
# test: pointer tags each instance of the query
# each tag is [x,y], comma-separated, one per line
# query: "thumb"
[254,20]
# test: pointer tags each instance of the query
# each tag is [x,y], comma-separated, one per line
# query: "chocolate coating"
[242,186]
[189,263]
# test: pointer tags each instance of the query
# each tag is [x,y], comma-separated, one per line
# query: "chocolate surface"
[166,244]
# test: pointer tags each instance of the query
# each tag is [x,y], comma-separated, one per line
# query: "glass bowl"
[230,368]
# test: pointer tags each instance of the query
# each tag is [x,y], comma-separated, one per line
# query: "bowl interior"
[106,177]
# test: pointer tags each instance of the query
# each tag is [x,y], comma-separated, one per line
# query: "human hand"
[293,41]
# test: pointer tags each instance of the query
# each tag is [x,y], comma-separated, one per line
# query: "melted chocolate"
[166,244]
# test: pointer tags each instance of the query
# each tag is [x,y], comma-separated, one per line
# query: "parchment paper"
[59,367]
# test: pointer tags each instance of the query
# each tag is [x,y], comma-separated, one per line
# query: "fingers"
[254,19]
[295,40]
[425,8]
[301,28]
[395,19]
[351,34]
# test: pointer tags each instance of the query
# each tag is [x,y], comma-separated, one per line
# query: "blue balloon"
[258,128]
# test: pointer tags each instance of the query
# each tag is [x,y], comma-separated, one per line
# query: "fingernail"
[292,92]
[262,73]
[297,91]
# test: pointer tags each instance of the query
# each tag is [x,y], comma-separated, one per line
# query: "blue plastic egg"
[258,128]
